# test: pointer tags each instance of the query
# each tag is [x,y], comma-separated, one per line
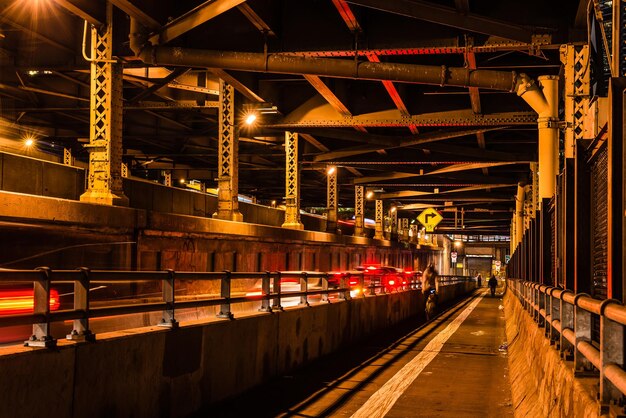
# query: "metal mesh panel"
[599,228]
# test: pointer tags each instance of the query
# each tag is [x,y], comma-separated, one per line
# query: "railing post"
[325,288]
[277,291]
[304,284]
[41,307]
[265,291]
[344,294]
[611,352]
[555,314]
[371,286]
[362,283]
[168,320]
[81,331]
[567,322]
[582,328]
[225,294]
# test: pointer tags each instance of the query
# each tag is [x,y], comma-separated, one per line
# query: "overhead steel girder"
[199,15]
[413,141]
[449,17]
[321,87]
[136,13]
[92,11]
[449,169]
[413,193]
[316,113]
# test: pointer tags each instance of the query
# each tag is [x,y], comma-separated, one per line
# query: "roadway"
[454,366]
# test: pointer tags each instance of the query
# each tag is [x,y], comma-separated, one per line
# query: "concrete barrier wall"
[543,385]
[154,372]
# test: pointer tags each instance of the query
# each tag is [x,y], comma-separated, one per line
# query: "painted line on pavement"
[379,404]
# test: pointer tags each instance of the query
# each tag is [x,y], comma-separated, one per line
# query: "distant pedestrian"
[429,288]
[493,282]
[479,279]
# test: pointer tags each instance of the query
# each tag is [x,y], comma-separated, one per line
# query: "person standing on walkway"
[493,282]
[429,288]
[479,279]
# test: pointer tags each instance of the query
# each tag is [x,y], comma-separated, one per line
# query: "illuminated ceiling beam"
[413,141]
[317,113]
[327,94]
[37,35]
[255,19]
[92,11]
[413,193]
[136,13]
[238,85]
[448,169]
[158,84]
[192,19]
[448,16]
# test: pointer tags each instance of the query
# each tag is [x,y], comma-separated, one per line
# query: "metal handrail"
[566,318]
[83,309]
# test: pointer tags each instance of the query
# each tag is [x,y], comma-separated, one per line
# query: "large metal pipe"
[328,67]
[548,137]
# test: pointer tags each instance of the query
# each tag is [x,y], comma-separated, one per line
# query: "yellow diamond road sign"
[430,218]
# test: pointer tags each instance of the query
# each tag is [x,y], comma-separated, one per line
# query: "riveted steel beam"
[414,141]
[199,15]
[136,13]
[448,16]
[316,113]
[292,183]
[92,11]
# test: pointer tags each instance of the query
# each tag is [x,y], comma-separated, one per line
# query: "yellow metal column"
[331,195]
[378,232]
[549,137]
[228,158]
[167,178]
[359,213]
[68,158]
[104,182]
[292,179]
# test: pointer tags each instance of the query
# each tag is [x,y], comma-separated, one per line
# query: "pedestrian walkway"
[455,366]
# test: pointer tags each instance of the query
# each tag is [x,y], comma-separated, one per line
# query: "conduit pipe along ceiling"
[511,81]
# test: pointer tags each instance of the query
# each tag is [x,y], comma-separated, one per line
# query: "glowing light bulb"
[250,119]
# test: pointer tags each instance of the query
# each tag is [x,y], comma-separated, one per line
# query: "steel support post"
[104,182]
[304,287]
[567,322]
[359,211]
[41,307]
[228,158]
[168,319]
[611,355]
[292,180]
[555,314]
[167,178]
[378,232]
[266,282]
[404,226]
[276,305]
[81,331]
[519,214]
[68,159]
[331,198]
[225,294]
[582,328]
[124,170]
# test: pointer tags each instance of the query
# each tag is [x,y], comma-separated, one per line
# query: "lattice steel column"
[104,182]
[68,159]
[228,157]
[331,198]
[575,60]
[378,232]
[167,178]
[359,212]
[404,226]
[124,170]
[292,180]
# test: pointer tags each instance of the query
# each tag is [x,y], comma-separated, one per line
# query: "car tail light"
[392,282]
[353,282]
[13,302]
